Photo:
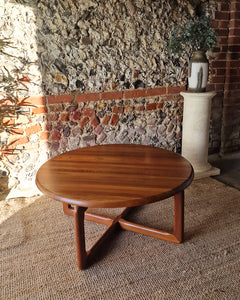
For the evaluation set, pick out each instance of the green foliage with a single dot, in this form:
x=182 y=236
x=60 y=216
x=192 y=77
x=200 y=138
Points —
x=10 y=106
x=195 y=35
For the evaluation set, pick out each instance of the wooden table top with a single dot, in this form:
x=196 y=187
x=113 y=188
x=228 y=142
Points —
x=114 y=176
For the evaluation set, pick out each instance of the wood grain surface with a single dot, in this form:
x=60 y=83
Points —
x=114 y=175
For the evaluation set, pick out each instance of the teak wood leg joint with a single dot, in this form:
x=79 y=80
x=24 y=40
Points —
x=80 y=213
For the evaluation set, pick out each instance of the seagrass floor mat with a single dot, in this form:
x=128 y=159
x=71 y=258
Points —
x=38 y=258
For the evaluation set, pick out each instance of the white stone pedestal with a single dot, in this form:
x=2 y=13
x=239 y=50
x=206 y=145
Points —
x=195 y=133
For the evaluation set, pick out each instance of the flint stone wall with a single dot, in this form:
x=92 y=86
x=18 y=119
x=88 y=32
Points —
x=86 y=46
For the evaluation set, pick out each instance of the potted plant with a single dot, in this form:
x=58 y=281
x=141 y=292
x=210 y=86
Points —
x=194 y=38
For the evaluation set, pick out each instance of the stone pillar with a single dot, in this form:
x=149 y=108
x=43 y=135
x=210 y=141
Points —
x=195 y=133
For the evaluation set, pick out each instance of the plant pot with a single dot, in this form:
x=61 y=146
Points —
x=198 y=72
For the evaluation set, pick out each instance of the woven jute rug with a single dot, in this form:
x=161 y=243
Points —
x=38 y=258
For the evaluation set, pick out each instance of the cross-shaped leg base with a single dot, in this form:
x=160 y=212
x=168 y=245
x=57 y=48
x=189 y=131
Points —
x=80 y=213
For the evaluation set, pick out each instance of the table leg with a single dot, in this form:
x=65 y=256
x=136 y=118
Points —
x=78 y=213
x=178 y=231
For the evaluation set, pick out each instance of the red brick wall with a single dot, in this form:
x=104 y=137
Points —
x=226 y=75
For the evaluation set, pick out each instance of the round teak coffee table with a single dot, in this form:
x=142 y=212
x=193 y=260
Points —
x=110 y=176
